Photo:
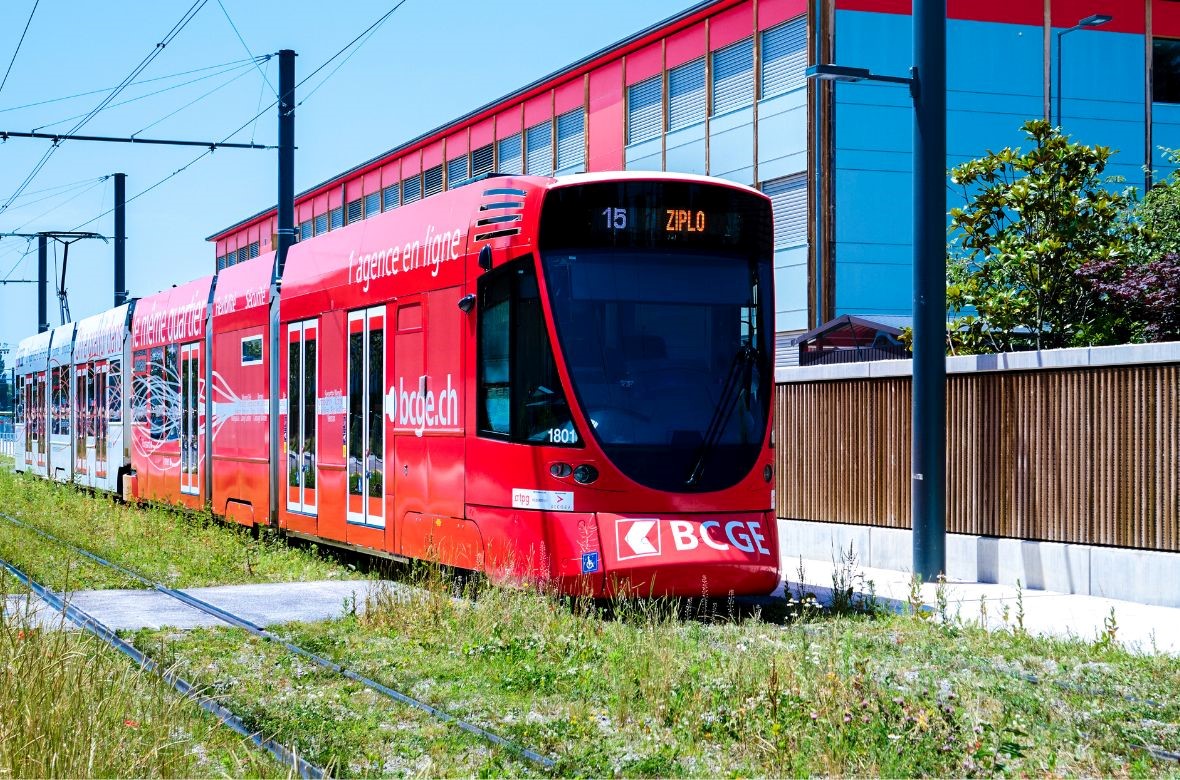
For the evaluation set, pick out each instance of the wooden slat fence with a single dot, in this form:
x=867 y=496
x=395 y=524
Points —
x=1088 y=455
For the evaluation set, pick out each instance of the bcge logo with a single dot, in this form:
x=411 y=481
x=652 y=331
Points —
x=637 y=538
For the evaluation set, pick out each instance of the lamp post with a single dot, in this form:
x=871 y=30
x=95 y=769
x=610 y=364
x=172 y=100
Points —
x=927 y=83
x=1090 y=22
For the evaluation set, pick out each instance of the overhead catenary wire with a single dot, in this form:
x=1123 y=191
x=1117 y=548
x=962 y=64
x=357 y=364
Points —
x=135 y=83
x=105 y=102
x=252 y=119
x=18 y=44
x=242 y=41
x=240 y=66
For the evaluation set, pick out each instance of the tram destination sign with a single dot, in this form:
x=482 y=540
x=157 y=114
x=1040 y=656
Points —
x=655 y=215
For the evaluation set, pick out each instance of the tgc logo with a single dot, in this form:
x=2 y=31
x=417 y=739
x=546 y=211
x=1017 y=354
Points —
x=420 y=409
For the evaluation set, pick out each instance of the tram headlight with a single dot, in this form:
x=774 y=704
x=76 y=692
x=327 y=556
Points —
x=585 y=474
x=560 y=470
x=768 y=472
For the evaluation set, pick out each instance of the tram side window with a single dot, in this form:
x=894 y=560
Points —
x=20 y=400
x=115 y=391
x=61 y=401
x=520 y=392
x=139 y=387
x=156 y=393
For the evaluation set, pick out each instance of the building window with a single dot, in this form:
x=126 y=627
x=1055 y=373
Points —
x=390 y=197
x=571 y=140
x=788 y=201
x=432 y=181
x=538 y=148
x=733 y=77
x=482 y=160
x=252 y=250
x=784 y=57
x=231 y=258
x=511 y=161
x=306 y=230
x=221 y=263
x=411 y=189
x=686 y=94
x=456 y=171
x=372 y=204
x=336 y=218
x=1165 y=70
x=321 y=224
x=643 y=110
x=354 y=211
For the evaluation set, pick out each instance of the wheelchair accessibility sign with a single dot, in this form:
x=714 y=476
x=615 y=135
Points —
x=589 y=562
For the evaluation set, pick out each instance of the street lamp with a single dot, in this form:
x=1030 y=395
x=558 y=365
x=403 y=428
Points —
x=1090 y=22
x=927 y=83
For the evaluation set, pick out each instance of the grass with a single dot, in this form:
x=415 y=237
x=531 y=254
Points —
x=179 y=548
x=639 y=691
x=75 y=708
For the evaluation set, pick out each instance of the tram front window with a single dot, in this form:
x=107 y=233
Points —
x=667 y=340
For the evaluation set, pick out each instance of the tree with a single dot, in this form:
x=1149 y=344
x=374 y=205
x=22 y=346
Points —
x=1030 y=221
x=1157 y=218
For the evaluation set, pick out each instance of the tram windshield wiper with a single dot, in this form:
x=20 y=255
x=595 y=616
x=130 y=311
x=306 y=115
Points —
x=738 y=383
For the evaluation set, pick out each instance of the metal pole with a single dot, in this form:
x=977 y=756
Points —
x=928 y=456
x=283 y=240
x=818 y=136
x=42 y=285
x=1057 y=90
x=120 y=239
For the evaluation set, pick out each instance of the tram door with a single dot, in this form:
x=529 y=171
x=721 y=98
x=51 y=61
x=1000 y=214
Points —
x=98 y=414
x=366 y=412
x=83 y=400
x=301 y=416
x=40 y=421
x=190 y=428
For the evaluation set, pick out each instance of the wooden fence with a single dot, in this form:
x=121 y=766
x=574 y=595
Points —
x=1038 y=446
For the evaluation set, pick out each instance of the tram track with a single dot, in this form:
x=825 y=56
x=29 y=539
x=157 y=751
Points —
x=262 y=633
x=286 y=756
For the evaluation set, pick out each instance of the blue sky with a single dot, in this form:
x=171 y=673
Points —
x=432 y=61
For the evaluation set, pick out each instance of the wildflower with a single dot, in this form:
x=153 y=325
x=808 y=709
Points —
x=20 y=634
x=847 y=717
x=814 y=715
x=131 y=724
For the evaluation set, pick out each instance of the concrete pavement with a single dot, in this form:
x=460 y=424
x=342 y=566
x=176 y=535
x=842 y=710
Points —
x=1138 y=627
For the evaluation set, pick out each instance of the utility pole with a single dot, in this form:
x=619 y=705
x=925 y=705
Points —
x=120 y=239
x=283 y=240
x=928 y=453
x=42 y=284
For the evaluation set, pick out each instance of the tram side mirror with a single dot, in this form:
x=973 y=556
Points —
x=485 y=258
x=467 y=302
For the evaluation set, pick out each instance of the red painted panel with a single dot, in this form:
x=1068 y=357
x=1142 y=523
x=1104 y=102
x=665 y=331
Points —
x=481 y=133
x=644 y=63
x=1128 y=17
x=731 y=26
x=372 y=181
x=508 y=122
x=252 y=233
x=391 y=173
x=569 y=96
x=411 y=165
x=772 y=12
x=538 y=109
x=335 y=197
x=303 y=211
x=686 y=45
x=457 y=144
x=1165 y=18
x=353 y=189
x=605 y=131
x=220 y=247
x=432 y=155
x=320 y=204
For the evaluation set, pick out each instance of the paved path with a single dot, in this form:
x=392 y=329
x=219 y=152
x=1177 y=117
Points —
x=1140 y=627
x=264 y=605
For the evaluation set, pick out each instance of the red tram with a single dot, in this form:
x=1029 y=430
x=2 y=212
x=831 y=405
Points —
x=566 y=379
